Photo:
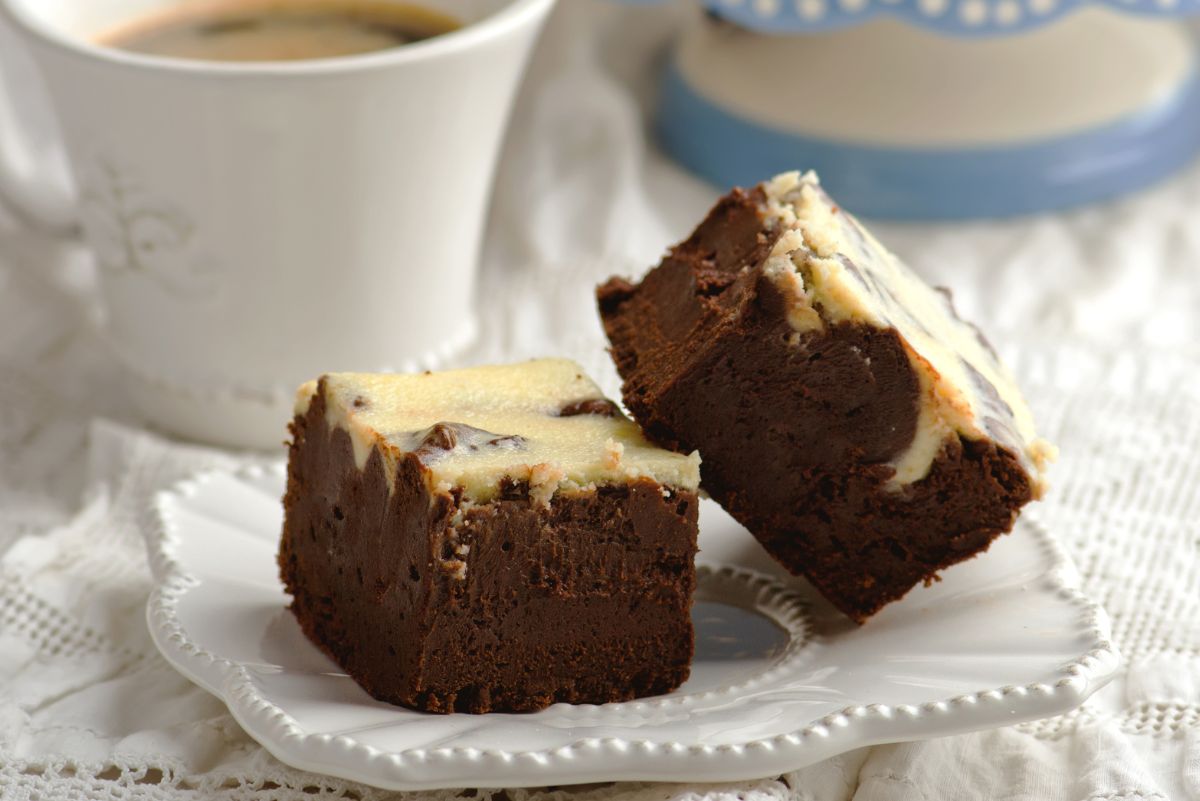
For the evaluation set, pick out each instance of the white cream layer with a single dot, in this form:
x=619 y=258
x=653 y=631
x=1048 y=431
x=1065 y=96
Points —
x=833 y=270
x=392 y=413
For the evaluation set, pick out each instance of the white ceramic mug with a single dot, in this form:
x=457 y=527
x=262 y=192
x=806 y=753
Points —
x=255 y=224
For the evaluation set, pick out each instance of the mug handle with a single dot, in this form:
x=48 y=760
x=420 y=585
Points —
x=34 y=182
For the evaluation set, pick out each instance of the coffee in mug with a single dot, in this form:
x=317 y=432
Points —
x=278 y=30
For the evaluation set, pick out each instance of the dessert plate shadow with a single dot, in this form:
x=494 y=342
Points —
x=780 y=679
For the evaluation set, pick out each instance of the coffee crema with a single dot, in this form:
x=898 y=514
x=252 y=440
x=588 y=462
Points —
x=278 y=30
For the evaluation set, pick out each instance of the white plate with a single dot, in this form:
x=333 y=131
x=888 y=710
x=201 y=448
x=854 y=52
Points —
x=780 y=679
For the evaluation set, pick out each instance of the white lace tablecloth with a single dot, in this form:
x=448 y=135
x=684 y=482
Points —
x=1098 y=310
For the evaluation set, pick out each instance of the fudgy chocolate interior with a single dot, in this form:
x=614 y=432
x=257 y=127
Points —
x=586 y=602
x=796 y=431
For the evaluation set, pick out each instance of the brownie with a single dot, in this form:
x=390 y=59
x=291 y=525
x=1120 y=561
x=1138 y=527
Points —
x=847 y=416
x=491 y=539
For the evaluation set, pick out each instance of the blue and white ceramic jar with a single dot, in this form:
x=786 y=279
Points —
x=937 y=109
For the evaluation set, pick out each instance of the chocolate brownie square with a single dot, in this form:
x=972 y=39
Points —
x=491 y=539
x=865 y=433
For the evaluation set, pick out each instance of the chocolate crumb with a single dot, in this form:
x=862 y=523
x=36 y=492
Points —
x=440 y=437
x=599 y=406
x=507 y=441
